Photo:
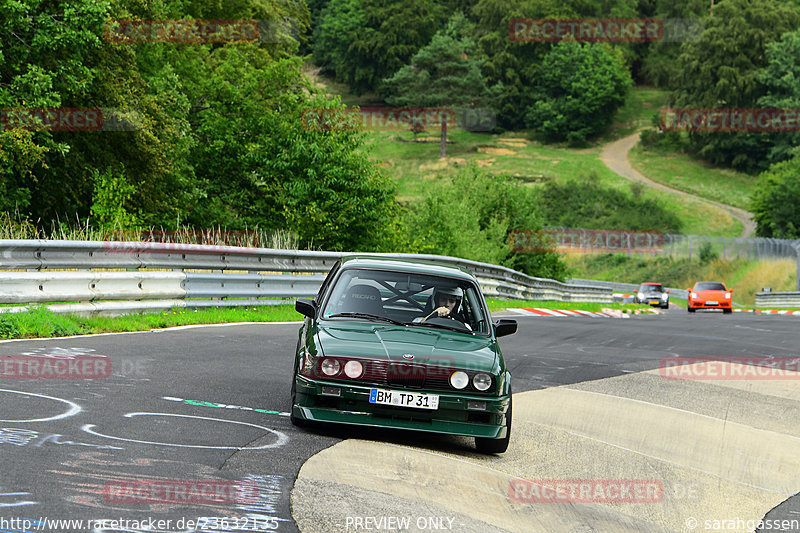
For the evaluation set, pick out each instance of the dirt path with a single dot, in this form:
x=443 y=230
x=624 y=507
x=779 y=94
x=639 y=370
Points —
x=615 y=157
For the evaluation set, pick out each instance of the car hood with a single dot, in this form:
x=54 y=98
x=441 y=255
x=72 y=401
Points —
x=391 y=343
x=711 y=294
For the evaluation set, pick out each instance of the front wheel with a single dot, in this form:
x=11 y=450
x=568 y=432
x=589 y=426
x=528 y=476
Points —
x=297 y=422
x=727 y=311
x=691 y=309
x=484 y=445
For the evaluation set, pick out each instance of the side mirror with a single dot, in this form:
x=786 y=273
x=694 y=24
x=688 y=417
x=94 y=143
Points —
x=306 y=307
x=667 y=291
x=504 y=326
x=730 y=290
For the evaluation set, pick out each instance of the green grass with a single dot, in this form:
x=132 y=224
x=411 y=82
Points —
x=415 y=166
x=43 y=323
x=40 y=322
x=681 y=172
x=637 y=111
x=498 y=305
x=745 y=277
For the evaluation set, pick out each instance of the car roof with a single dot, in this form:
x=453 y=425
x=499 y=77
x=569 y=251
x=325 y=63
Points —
x=418 y=266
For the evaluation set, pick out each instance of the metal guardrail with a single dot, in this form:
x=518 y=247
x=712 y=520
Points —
x=778 y=299
x=629 y=288
x=159 y=276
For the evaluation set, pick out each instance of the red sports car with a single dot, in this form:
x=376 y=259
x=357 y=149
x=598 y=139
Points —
x=710 y=295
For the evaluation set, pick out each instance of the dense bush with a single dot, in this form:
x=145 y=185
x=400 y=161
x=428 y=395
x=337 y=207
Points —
x=582 y=203
x=471 y=215
x=578 y=89
x=776 y=201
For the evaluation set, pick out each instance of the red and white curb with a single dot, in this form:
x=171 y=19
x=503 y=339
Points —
x=605 y=313
x=766 y=312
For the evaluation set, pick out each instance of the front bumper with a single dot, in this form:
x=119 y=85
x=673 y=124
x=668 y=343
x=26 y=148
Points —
x=353 y=407
x=702 y=304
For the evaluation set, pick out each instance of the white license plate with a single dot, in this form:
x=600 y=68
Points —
x=404 y=399
x=712 y=302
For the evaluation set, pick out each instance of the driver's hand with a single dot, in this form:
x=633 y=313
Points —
x=442 y=311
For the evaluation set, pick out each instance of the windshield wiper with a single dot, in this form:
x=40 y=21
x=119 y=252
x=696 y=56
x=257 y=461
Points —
x=463 y=329
x=368 y=316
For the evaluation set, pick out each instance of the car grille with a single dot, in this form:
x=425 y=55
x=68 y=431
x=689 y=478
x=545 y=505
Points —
x=411 y=376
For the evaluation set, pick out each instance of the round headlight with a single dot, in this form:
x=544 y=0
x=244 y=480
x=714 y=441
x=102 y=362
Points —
x=664 y=295
x=331 y=367
x=459 y=379
x=694 y=295
x=482 y=381
x=727 y=296
x=353 y=369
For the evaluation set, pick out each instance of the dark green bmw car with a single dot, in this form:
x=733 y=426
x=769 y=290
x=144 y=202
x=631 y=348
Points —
x=403 y=344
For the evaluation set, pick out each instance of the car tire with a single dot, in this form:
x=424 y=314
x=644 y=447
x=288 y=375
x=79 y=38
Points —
x=727 y=311
x=496 y=445
x=297 y=422
x=691 y=309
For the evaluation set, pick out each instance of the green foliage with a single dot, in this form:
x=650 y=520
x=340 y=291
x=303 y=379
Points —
x=781 y=77
x=362 y=41
x=707 y=254
x=111 y=192
x=775 y=203
x=722 y=69
x=582 y=203
x=577 y=92
x=443 y=73
x=19 y=156
x=261 y=164
x=471 y=215
x=659 y=65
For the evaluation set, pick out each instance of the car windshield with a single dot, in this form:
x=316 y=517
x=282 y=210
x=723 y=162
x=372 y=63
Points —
x=709 y=286
x=650 y=288
x=408 y=299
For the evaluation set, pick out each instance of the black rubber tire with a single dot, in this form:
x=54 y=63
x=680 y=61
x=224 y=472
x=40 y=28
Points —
x=691 y=310
x=496 y=445
x=297 y=422
x=727 y=311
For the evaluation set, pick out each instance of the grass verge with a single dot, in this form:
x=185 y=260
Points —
x=745 y=277
x=681 y=172
x=596 y=307
x=41 y=322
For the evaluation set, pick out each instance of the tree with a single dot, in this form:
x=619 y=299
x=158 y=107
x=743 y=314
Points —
x=578 y=89
x=472 y=214
x=442 y=74
x=721 y=70
x=775 y=203
x=362 y=40
x=781 y=78
x=260 y=163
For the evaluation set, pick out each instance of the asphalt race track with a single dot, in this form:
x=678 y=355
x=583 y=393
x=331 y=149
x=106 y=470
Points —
x=190 y=408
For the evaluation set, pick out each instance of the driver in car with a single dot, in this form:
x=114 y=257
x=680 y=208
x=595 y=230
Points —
x=448 y=304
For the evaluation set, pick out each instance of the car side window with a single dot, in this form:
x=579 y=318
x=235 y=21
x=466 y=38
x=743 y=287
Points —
x=328 y=279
